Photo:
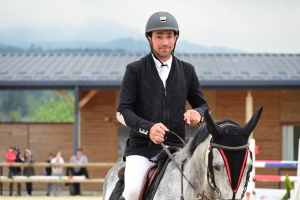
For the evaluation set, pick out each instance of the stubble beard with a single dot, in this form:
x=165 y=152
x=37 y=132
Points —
x=164 y=52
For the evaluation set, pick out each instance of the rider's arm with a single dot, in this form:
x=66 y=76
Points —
x=127 y=100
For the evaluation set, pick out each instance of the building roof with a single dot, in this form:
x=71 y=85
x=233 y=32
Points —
x=106 y=70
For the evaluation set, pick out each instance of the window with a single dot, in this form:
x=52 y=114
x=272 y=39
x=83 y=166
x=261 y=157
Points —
x=290 y=142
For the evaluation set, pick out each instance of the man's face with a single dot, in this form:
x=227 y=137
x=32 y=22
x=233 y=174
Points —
x=163 y=42
x=78 y=153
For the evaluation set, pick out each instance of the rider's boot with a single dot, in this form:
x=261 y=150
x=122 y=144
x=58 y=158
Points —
x=122 y=198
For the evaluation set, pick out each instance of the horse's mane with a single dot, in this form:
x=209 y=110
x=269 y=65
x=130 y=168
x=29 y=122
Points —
x=199 y=137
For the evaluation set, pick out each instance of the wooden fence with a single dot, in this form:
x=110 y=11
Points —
x=52 y=179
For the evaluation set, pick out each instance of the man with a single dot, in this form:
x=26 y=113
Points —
x=152 y=101
x=16 y=171
x=77 y=171
x=28 y=171
x=48 y=172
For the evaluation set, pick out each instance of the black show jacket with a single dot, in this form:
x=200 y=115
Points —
x=144 y=101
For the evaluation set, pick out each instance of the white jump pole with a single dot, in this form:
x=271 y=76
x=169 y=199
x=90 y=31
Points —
x=295 y=194
x=251 y=185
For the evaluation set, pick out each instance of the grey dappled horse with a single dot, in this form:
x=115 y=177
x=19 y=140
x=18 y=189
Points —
x=217 y=163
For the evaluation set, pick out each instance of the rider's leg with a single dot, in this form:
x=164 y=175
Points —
x=136 y=168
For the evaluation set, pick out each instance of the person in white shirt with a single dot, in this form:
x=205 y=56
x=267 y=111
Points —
x=57 y=171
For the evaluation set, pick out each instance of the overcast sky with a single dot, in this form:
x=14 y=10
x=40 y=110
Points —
x=250 y=25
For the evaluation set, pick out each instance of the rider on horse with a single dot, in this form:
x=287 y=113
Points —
x=153 y=99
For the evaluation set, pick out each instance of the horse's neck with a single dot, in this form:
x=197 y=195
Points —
x=195 y=166
x=199 y=157
x=184 y=154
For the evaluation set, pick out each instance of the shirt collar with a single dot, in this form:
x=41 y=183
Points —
x=158 y=64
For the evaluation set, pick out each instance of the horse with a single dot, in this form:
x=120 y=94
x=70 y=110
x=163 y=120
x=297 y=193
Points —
x=215 y=164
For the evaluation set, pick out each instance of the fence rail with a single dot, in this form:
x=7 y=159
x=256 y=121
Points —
x=52 y=179
x=44 y=180
x=44 y=164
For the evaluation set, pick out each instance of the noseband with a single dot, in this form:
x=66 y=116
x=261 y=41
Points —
x=210 y=171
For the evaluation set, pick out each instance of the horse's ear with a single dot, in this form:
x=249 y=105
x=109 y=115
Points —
x=211 y=126
x=249 y=127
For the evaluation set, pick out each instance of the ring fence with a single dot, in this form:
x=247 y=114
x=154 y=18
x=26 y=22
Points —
x=295 y=194
x=51 y=179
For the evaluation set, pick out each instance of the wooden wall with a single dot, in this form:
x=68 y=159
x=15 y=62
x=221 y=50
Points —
x=99 y=138
x=41 y=139
x=280 y=108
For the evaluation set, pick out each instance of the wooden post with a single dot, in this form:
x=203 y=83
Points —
x=249 y=108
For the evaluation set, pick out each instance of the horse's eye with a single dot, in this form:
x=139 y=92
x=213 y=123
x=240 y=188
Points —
x=216 y=167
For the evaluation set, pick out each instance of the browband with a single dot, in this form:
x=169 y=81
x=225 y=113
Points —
x=229 y=148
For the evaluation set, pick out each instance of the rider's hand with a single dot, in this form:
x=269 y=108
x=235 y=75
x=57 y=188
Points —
x=157 y=133
x=192 y=117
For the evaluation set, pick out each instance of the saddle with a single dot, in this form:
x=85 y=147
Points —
x=151 y=174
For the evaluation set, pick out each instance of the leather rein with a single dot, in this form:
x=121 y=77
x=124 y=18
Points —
x=200 y=195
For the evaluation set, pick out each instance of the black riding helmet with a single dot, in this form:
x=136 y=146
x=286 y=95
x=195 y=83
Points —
x=161 y=21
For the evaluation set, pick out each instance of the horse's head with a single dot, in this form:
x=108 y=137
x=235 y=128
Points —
x=229 y=159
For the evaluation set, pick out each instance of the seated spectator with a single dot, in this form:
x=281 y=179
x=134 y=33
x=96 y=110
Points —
x=28 y=171
x=48 y=172
x=57 y=171
x=77 y=171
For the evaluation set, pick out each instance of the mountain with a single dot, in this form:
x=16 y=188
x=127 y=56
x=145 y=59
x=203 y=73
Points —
x=117 y=45
x=94 y=36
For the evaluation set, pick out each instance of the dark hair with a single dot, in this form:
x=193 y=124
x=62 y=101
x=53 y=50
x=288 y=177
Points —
x=150 y=33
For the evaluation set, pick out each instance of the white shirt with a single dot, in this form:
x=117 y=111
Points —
x=165 y=70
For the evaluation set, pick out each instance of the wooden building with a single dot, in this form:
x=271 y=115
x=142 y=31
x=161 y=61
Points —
x=234 y=85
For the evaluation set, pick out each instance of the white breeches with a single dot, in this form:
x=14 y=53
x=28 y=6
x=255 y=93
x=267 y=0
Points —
x=136 y=168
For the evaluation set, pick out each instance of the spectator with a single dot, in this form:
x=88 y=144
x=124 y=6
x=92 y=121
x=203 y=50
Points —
x=16 y=171
x=48 y=172
x=77 y=171
x=10 y=158
x=28 y=171
x=57 y=171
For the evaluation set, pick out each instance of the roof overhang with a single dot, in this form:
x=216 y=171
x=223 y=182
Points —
x=115 y=85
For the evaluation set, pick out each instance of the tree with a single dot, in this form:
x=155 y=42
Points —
x=55 y=111
x=12 y=105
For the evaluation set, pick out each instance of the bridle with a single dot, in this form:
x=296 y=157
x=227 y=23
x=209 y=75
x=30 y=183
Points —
x=210 y=170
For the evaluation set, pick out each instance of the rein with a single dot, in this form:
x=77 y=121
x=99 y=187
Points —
x=200 y=195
